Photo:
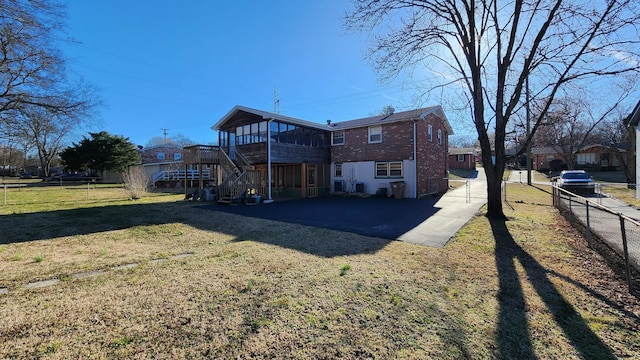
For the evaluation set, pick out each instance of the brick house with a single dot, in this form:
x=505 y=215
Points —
x=411 y=146
x=160 y=161
x=280 y=156
x=463 y=158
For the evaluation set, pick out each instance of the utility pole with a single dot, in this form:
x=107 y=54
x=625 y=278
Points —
x=528 y=110
x=165 y=132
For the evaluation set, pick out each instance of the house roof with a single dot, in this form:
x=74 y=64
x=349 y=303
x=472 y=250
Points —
x=395 y=117
x=460 y=151
x=240 y=111
x=634 y=117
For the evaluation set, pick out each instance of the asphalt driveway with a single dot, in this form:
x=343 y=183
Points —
x=379 y=217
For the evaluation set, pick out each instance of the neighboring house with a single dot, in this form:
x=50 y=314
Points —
x=591 y=158
x=632 y=121
x=462 y=158
x=597 y=158
x=545 y=158
x=299 y=158
x=160 y=161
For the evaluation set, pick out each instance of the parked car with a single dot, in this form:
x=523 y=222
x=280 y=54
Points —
x=70 y=177
x=577 y=181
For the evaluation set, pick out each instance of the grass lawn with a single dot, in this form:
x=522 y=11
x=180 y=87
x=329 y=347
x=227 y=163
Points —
x=195 y=284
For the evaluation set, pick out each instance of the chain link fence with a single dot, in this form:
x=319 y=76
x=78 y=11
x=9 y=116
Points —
x=614 y=235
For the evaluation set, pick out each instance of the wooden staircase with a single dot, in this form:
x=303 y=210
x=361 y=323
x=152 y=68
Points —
x=240 y=180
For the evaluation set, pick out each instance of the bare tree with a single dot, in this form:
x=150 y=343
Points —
x=47 y=132
x=36 y=98
x=488 y=50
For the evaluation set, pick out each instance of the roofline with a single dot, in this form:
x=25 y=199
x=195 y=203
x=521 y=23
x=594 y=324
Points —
x=634 y=117
x=437 y=109
x=266 y=116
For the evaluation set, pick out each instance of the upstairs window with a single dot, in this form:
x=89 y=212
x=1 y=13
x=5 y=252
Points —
x=177 y=156
x=375 y=134
x=160 y=155
x=430 y=133
x=337 y=138
x=439 y=137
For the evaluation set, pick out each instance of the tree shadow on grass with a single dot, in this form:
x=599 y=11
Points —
x=17 y=228
x=513 y=334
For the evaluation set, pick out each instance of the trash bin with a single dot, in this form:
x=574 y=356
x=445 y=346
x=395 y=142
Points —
x=397 y=189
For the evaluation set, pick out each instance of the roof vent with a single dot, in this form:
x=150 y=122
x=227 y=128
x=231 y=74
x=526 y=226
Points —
x=329 y=122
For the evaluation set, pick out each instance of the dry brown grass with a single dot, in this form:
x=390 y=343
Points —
x=263 y=289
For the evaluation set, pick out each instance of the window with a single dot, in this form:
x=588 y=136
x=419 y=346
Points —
x=239 y=138
x=460 y=158
x=177 y=156
x=375 y=134
x=262 y=129
x=254 y=133
x=439 y=137
x=337 y=171
x=337 y=138
x=274 y=131
x=160 y=155
x=586 y=158
x=389 y=169
x=430 y=133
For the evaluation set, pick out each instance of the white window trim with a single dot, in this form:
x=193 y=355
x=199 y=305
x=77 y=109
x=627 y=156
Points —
x=460 y=158
x=430 y=133
x=388 y=170
x=335 y=170
x=374 y=133
x=333 y=138
x=439 y=136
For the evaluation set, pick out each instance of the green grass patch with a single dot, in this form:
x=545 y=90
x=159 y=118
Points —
x=524 y=288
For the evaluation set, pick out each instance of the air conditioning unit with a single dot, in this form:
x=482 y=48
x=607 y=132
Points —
x=338 y=186
x=359 y=187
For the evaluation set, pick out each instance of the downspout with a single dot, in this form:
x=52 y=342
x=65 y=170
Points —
x=269 y=199
x=415 y=162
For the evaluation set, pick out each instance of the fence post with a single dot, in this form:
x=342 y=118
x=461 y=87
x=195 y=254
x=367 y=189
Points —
x=588 y=224
x=4 y=202
x=570 y=203
x=626 y=252
x=87 y=191
x=468 y=192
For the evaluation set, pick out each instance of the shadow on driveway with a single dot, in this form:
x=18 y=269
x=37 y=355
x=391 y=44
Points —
x=384 y=218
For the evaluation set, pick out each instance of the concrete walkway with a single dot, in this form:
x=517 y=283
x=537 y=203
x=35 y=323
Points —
x=454 y=209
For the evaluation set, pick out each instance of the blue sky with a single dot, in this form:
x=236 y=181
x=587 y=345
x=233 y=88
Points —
x=183 y=65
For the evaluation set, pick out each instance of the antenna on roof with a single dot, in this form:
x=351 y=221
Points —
x=165 y=132
x=276 y=101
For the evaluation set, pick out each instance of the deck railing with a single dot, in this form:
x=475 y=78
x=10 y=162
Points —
x=169 y=175
x=207 y=154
